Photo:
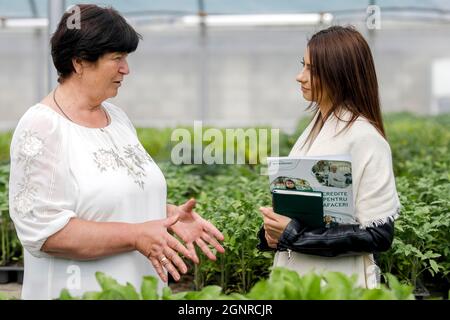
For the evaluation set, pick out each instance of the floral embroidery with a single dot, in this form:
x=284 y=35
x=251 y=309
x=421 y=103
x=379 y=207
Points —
x=23 y=201
x=30 y=146
x=133 y=160
x=106 y=159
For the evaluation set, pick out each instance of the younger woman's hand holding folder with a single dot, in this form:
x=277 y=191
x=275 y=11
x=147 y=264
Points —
x=274 y=225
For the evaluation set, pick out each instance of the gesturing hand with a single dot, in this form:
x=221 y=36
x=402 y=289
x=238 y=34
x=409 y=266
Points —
x=161 y=248
x=192 y=228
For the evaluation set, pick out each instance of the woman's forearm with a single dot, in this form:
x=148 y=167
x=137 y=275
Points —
x=88 y=240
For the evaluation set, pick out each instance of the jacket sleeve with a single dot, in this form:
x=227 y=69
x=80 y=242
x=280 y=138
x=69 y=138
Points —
x=338 y=240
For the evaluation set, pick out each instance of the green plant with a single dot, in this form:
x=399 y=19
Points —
x=230 y=195
x=283 y=284
x=421 y=157
x=5 y=141
x=422 y=239
x=11 y=248
x=156 y=142
x=231 y=202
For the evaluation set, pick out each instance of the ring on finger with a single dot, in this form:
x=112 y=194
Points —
x=164 y=260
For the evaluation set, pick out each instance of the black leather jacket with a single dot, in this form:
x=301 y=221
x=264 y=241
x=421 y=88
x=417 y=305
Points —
x=338 y=240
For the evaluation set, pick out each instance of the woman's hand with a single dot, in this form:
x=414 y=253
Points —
x=192 y=228
x=274 y=225
x=161 y=248
x=271 y=242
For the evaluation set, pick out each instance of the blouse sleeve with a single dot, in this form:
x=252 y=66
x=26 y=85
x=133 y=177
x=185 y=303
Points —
x=42 y=195
x=376 y=199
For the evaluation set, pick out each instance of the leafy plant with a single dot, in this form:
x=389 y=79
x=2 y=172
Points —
x=230 y=202
x=5 y=141
x=230 y=195
x=11 y=248
x=283 y=284
x=421 y=157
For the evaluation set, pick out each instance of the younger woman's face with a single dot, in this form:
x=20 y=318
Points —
x=304 y=77
x=306 y=86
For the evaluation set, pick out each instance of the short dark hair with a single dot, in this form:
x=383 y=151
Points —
x=102 y=30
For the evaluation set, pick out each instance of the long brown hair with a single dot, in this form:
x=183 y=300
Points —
x=342 y=66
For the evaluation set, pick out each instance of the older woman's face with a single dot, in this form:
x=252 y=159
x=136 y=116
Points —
x=106 y=75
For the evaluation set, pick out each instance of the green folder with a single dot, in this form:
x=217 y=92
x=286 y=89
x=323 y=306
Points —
x=304 y=206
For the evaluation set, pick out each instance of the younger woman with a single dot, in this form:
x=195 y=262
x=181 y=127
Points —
x=339 y=79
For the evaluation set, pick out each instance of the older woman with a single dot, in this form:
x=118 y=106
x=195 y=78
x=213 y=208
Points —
x=84 y=194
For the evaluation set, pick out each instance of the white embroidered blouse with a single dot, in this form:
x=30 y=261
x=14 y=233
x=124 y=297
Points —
x=61 y=170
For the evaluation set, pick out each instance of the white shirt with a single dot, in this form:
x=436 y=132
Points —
x=61 y=170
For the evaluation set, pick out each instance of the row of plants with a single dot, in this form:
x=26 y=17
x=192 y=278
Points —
x=420 y=253
x=230 y=195
x=283 y=284
x=11 y=251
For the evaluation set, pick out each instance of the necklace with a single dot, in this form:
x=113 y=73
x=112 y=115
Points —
x=59 y=107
